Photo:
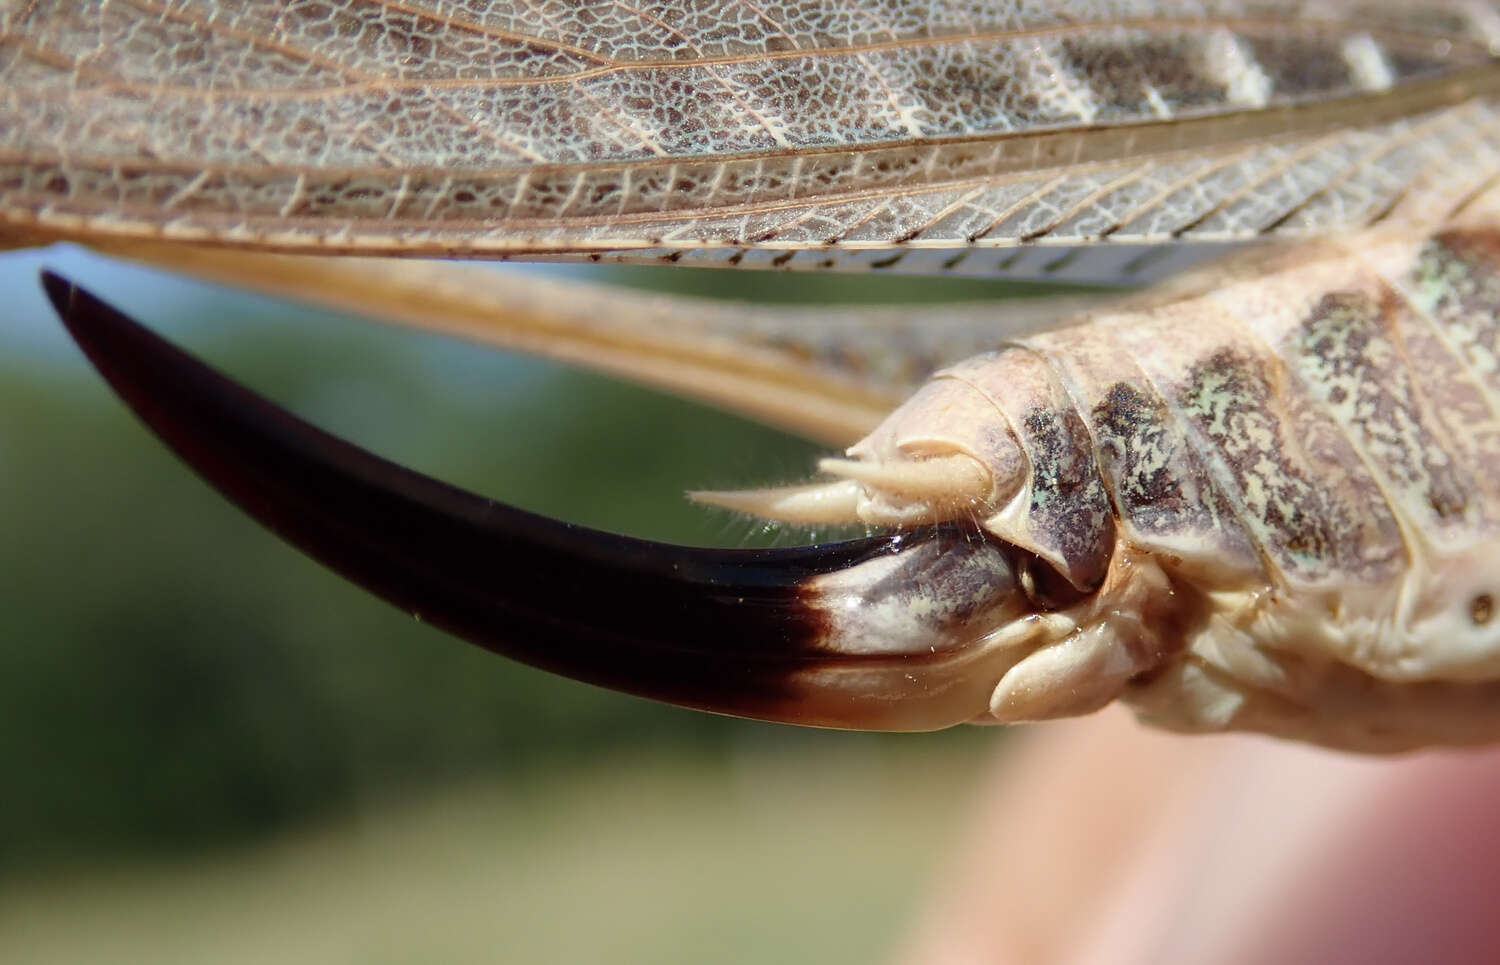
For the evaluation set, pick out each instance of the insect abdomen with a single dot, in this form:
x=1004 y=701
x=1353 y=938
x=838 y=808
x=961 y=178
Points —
x=1323 y=419
x=1271 y=505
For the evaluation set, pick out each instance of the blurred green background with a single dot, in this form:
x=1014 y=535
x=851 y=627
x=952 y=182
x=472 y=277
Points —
x=214 y=750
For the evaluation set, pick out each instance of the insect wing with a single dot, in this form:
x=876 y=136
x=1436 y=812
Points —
x=812 y=134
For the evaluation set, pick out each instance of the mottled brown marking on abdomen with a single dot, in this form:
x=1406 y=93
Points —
x=1456 y=283
x=1349 y=355
x=1166 y=498
x=1297 y=484
x=1069 y=521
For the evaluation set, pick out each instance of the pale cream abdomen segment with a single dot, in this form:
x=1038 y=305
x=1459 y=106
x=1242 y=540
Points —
x=1061 y=511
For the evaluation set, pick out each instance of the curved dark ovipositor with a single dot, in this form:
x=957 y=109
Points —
x=778 y=634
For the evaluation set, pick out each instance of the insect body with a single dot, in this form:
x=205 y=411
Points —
x=1261 y=499
x=1272 y=506
x=1267 y=507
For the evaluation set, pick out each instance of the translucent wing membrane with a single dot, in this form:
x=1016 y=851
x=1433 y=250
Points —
x=795 y=133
